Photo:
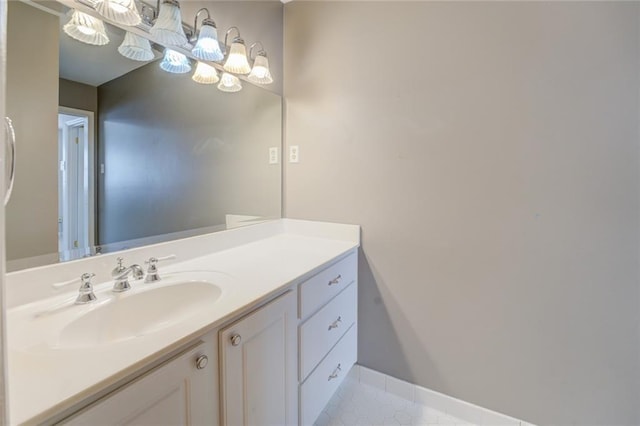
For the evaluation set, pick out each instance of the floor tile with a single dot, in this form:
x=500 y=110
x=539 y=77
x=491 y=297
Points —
x=359 y=404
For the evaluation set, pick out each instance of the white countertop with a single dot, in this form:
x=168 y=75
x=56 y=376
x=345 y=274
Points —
x=44 y=379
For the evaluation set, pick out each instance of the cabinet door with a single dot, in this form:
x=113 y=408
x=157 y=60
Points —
x=182 y=391
x=259 y=366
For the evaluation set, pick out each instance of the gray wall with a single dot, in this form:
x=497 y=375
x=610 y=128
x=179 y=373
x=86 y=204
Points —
x=77 y=95
x=179 y=155
x=490 y=152
x=32 y=104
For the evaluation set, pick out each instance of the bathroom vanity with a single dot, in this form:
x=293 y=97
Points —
x=255 y=325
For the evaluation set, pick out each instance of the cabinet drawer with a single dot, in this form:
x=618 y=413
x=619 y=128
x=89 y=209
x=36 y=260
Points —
x=319 y=289
x=318 y=389
x=321 y=332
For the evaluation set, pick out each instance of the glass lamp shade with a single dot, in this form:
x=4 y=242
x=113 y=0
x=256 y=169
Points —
x=205 y=74
x=207 y=47
x=175 y=62
x=260 y=72
x=136 y=47
x=237 y=62
x=168 y=27
x=86 y=29
x=229 y=83
x=121 y=11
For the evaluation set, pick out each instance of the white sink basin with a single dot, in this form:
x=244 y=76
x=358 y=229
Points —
x=135 y=314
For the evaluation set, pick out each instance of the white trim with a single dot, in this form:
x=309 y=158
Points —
x=90 y=135
x=447 y=404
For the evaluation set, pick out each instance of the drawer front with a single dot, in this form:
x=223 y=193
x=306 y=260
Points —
x=318 y=389
x=321 y=288
x=323 y=330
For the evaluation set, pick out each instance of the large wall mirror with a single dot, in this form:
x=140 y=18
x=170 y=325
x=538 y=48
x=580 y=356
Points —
x=114 y=153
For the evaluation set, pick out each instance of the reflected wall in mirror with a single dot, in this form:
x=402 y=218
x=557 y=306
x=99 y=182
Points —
x=115 y=153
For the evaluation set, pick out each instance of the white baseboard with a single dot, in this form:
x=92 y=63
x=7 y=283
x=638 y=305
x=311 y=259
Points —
x=452 y=406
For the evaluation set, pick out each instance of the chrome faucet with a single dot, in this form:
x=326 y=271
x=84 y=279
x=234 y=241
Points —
x=120 y=274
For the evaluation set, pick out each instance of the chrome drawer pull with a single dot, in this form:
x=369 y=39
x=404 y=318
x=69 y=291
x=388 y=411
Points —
x=334 y=375
x=335 y=280
x=335 y=323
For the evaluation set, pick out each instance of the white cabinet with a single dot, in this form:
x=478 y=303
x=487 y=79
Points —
x=259 y=366
x=322 y=331
x=328 y=334
x=320 y=386
x=278 y=365
x=182 y=391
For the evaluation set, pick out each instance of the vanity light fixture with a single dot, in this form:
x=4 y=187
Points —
x=207 y=47
x=136 y=47
x=122 y=12
x=237 y=62
x=229 y=83
x=205 y=74
x=168 y=27
x=175 y=62
x=86 y=28
x=260 y=73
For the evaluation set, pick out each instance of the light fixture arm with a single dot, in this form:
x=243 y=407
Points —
x=260 y=52
x=228 y=32
x=154 y=11
x=195 y=22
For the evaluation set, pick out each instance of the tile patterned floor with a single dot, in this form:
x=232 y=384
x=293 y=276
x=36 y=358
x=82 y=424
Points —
x=358 y=404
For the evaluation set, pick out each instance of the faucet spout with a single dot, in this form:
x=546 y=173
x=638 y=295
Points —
x=135 y=270
x=120 y=275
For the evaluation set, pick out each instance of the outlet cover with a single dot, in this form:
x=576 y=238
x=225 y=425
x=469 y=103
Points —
x=273 y=155
x=294 y=154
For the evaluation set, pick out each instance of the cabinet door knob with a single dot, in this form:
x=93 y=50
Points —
x=202 y=362
x=236 y=339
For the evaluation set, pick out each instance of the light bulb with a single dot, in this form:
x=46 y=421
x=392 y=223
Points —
x=237 y=62
x=205 y=74
x=260 y=73
x=207 y=47
x=168 y=27
x=86 y=28
x=121 y=11
x=175 y=62
x=229 y=83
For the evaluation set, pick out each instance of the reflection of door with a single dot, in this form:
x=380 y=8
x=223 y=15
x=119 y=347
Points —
x=75 y=204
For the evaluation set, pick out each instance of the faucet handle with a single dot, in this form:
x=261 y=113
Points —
x=119 y=267
x=153 y=260
x=85 y=293
x=152 y=271
x=85 y=280
x=86 y=277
